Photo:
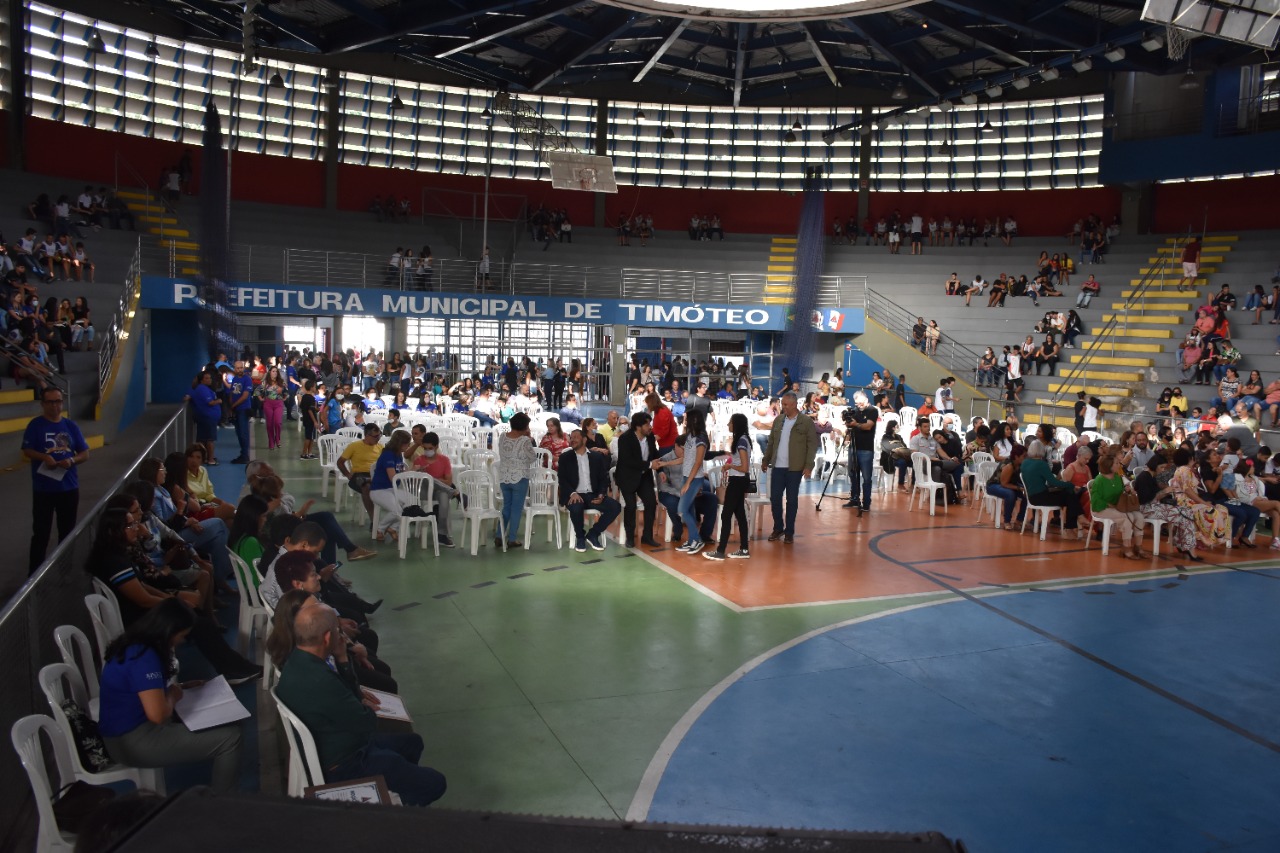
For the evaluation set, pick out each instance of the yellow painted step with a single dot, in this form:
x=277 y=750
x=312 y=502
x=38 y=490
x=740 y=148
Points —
x=1093 y=390
x=781 y=268
x=1167 y=281
x=1165 y=294
x=151 y=217
x=1110 y=376
x=10 y=425
x=1149 y=334
x=22 y=395
x=1150 y=270
x=1115 y=360
x=182 y=244
x=186 y=258
x=1215 y=238
x=189 y=271
x=139 y=194
x=1156 y=305
x=778 y=278
x=168 y=232
x=1204 y=259
x=784 y=240
x=1108 y=346
x=786 y=250
x=777 y=300
x=1157 y=319
x=782 y=259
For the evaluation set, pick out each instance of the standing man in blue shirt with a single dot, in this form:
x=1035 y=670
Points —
x=207 y=410
x=55 y=447
x=294 y=386
x=240 y=390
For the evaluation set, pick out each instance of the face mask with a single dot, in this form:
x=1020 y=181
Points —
x=428 y=453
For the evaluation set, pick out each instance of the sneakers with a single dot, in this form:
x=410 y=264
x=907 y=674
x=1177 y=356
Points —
x=685 y=547
x=775 y=536
x=740 y=554
x=695 y=546
x=251 y=674
x=445 y=542
x=593 y=539
x=713 y=555
x=580 y=546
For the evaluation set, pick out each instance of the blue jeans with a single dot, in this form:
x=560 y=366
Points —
x=704 y=506
x=685 y=507
x=1010 y=497
x=395 y=758
x=242 y=430
x=334 y=536
x=1243 y=519
x=211 y=540
x=783 y=482
x=513 y=495
x=860 y=464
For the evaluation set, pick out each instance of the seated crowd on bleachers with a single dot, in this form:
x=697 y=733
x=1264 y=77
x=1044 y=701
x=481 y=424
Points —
x=1207 y=356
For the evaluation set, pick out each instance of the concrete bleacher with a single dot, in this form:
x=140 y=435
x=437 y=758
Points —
x=110 y=251
x=669 y=250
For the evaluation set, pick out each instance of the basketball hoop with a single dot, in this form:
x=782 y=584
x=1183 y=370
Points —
x=1175 y=40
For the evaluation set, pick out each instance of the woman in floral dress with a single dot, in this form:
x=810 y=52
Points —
x=1212 y=523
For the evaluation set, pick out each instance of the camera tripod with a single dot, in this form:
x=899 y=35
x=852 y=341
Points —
x=842 y=451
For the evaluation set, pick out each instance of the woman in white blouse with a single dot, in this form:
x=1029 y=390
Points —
x=516 y=459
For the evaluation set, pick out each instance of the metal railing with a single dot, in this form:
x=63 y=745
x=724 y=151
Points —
x=958 y=359
x=53 y=596
x=118 y=330
x=319 y=268
x=155 y=211
x=1257 y=114
x=466 y=210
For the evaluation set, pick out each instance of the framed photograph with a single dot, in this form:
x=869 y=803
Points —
x=372 y=789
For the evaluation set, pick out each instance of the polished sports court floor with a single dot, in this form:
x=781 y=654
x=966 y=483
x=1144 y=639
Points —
x=895 y=672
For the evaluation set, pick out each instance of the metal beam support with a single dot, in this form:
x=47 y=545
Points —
x=740 y=61
x=570 y=61
x=1055 y=31
x=345 y=36
x=662 y=48
x=949 y=24
x=560 y=6
x=820 y=56
x=875 y=43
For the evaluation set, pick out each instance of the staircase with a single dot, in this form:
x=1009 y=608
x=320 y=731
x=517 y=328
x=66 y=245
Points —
x=780 y=274
x=1146 y=333
x=154 y=218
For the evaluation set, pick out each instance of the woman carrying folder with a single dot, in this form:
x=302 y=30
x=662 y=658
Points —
x=139 y=691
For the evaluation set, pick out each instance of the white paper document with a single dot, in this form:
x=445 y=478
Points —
x=391 y=706
x=53 y=472
x=211 y=704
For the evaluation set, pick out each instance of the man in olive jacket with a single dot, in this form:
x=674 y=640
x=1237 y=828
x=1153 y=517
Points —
x=793 y=443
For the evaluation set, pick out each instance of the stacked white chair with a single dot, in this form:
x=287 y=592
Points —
x=25 y=735
x=329 y=448
x=544 y=500
x=542 y=458
x=351 y=432
x=253 y=615
x=987 y=502
x=76 y=653
x=907 y=415
x=416 y=487
x=478 y=506
x=973 y=474
x=104 y=613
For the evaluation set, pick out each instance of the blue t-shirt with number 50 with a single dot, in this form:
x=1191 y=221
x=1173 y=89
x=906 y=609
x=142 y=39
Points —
x=61 y=440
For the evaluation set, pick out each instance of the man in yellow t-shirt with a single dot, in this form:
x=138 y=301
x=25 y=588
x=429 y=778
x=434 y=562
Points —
x=357 y=461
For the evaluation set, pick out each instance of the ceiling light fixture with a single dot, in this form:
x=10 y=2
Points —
x=899 y=92
x=396 y=103
x=864 y=130
x=796 y=125
x=969 y=98
x=1048 y=73
x=945 y=105
x=1082 y=64
x=994 y=91
x=96 y=44
x=1152 y=43
x=276 y=81
x=1189 y=81
x=153 y=50
x=987 y=127
x=668 y=133
x=1114 y=54
x=789 y=136
x=1021 y=83
x=486 y=114
x=640 y=116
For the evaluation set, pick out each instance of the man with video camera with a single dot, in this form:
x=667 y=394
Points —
x=860 y=426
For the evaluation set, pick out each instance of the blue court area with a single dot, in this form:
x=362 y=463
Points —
x=1139 y=716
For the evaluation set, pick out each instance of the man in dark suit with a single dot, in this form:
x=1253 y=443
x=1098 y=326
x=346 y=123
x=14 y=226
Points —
x=584 y=485
x=636 y=447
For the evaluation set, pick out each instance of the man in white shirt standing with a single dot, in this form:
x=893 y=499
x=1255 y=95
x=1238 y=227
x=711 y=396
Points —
x=943 y=400
x=917 y=234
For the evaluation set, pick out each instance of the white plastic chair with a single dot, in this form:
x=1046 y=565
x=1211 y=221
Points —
x=356 y=432
x=102 y=588
x=542 y=458
x=328 y=449
x=1157 y=525
x=416 y=487
x=1107 y=524
x=61 y=684
x=759 y=502
x=107 y=624
x=830 y=457
x=304 y=759
x=76 y=653
x=544 y=500
x=25 y=735
x=479 y=506
x=935 y=421
x=925 y=484
x=993 y=504
x=907 y=415
x=978 y=484
x=1041 y=513
x=952 y=421
x=253 y=615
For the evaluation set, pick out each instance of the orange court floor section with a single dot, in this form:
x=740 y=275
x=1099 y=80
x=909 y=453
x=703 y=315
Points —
x=896 y=551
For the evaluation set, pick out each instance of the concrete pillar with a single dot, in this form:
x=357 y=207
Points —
x=864 y=169
x=602 y=149
x=618 y=365
x=1136 y=207
x=13 y=58
x=333 y=117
